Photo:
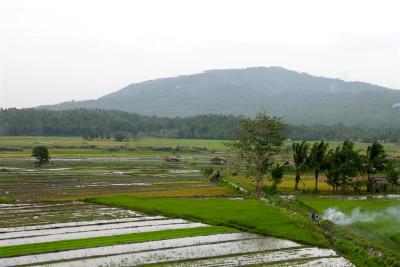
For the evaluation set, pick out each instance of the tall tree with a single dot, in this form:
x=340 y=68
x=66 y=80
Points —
x=317 y=159
x=344 y=162
x=392 y=171
x=374 y=161
x=277 y=173
x=258 y=141
x=300 y=157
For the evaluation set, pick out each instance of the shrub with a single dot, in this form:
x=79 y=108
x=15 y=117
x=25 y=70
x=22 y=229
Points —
x=41 y=153
x=120 y=136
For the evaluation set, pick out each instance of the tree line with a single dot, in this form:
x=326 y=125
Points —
x=106 y=123
x=260 y=139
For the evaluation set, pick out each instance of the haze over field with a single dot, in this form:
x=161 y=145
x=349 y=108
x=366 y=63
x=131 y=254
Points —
x=65 y=50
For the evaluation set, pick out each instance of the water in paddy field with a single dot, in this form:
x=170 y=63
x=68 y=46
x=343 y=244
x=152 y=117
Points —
x=78 y=178
x=16 y=215
x=229 y=249
x=34 y=223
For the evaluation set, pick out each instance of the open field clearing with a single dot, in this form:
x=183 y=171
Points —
x=138 y=239
x=17 y=147
x=21 y=146
x=287 y=184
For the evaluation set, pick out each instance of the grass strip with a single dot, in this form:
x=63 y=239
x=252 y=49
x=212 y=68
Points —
x=247 y=214
x=38 y=248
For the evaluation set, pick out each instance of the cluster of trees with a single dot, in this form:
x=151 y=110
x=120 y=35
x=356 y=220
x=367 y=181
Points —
x=343 y=163
x=259 y=140
x=107 y=123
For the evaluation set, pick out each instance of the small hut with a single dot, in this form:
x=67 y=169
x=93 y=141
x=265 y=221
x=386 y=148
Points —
x=218 y=161
x=379 y=184
x=173 y=158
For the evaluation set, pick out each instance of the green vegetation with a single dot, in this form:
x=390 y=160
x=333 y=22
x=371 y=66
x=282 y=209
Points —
x=374 y=161
x=318 y=159
x=300 y=160
x=298 y=97
x=374 y=229
x=41 y=153
x=7 y=200
x=258 y=141
x=247 y=214
x=80 y=147
x=120 y=136
x=37 y=248
x=178 y=189
x=344 y=162
x=392 y=171
x=103 y=124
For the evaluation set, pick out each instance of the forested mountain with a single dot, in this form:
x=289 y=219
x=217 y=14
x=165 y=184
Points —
x=299 y=97
x=105 y=123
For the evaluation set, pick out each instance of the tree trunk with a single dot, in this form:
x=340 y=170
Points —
x=343 y=185
x=297 y=180
x=316 y=180
x=369 y=183
x=259 y=183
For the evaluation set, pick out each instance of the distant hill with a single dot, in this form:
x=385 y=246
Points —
x=299 y=97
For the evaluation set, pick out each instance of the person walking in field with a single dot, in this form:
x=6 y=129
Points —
x=314 y=217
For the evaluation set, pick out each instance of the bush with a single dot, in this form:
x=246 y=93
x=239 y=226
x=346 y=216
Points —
x=207 y=171
x=120 y=136
x=7 y=200
x=41 y=153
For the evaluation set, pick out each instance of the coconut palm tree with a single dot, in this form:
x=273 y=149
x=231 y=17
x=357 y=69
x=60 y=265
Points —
x=318 y=158
x=374 y=161
x=300 y=158
x=344 y=162
x=392 y=171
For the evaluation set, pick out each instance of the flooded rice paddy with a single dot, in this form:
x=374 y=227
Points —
x=31 y=221
x=76 y=178
x=22 y=215
x=226 y=249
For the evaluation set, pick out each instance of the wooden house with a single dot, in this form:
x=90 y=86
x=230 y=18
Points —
x=379 y=184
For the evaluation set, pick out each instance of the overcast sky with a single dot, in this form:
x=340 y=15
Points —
x=54 y=50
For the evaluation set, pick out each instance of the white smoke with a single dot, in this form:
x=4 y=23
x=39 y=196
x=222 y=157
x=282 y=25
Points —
x=338 y=217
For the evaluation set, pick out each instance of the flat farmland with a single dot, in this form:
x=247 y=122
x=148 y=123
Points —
x=101 y=202
x=80 y=178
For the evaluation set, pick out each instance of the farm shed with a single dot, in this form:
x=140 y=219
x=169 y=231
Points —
x=379 y=184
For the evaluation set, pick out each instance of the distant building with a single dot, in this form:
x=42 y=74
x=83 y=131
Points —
x=218 y=161
x=379 y=184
